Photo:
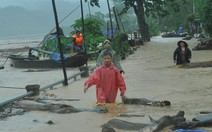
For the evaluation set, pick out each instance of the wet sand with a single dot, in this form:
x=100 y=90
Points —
x=150 y=73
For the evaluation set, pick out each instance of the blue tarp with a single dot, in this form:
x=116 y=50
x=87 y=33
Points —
x=56 y=57
x=110 y=32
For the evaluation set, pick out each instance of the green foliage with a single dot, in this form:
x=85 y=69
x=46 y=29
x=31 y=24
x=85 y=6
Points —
x=207 y=17
x=176 y=16
x=201 y=13
x=129 y=21
x=119 y=45
x=52 y=45
x=153 y=26
x=191 y=17
x=172 y=13
x=100 y=17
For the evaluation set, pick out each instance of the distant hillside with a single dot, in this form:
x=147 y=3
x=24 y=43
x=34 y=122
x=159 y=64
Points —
x=16 y=20
x=19 y=21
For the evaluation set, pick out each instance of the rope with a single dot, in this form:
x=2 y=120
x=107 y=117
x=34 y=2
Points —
x=60 y=22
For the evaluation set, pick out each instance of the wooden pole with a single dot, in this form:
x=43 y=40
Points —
x=117 y=23
x=107 y=29
x=59 y=43
x=83 y=28
x=89 y=10
x=111 y=24
x=120 y=21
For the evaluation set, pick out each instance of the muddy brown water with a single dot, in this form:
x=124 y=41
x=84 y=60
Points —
x=150 y=73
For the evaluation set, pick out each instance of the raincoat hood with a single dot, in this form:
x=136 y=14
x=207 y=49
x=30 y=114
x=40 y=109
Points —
x=178 y=43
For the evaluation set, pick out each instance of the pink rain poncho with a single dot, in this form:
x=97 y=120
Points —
x=107 y=80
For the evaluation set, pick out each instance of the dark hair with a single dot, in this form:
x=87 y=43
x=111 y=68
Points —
x=107 y=53
x=77 y=31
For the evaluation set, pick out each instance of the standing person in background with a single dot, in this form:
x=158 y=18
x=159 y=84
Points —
x=77 y=40
x=180 y=30
x=107 y=48
x=182 y=53
x=108 y=80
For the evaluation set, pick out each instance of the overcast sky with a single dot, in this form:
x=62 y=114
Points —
x=64 y=7
x=34 y=4
x=28 y=2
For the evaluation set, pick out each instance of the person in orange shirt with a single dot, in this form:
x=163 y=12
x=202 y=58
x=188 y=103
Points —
x=77 y=40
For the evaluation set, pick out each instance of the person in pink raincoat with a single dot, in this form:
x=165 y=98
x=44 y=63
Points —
x=108 y=80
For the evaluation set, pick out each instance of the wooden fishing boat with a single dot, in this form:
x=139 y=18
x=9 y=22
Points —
x=32 y=61
x=169 y=35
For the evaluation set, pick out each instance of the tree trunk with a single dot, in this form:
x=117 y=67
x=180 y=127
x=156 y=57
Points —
x=143 y=27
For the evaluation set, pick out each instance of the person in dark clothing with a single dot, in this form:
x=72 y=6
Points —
x=182 y=53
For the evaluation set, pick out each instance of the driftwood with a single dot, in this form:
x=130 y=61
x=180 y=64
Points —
x=205 y=112
x=56 y=108
x=154 y=126
x=165 y=121
x=187 y=37
x=143 y=101
x=130 y=115
x=205 y=44
x=124 y=125
x=197 y=64
x=108 y=129
x=168 y=35
x=51 y=99
x=201 y=121
x=4 y=113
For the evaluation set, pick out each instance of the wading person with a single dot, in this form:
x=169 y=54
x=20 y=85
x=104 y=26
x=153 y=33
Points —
x=108 y=80
x=182 y=53
x=107 y=48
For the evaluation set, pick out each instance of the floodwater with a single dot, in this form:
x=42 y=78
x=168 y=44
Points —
x=149 y=73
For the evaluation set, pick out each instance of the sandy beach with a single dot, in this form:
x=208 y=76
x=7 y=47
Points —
x=149 y=73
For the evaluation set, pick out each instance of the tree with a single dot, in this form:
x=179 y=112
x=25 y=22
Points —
x=195 y=12
x=101 y=18
x=145 y=7
x=182 y=16
x=207 y=17
x=127 y=20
